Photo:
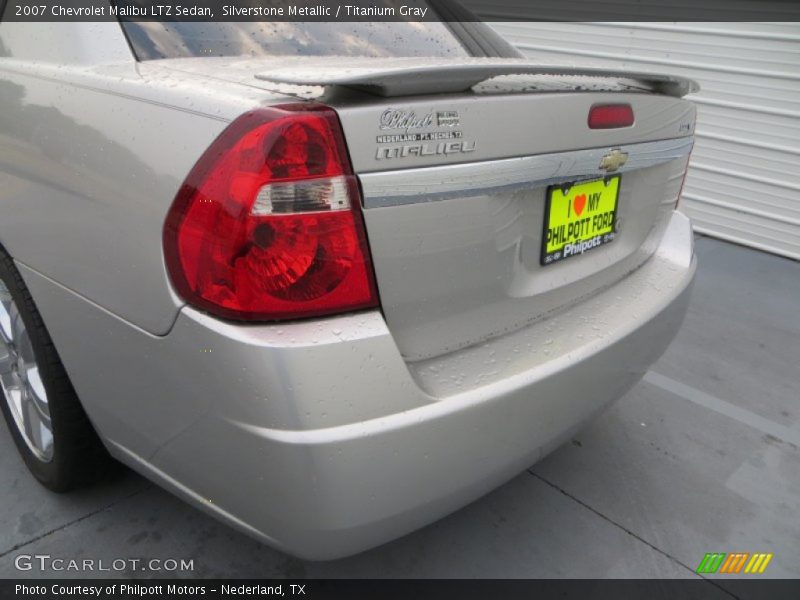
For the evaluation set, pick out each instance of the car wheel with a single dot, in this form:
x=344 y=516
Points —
x=46 y=420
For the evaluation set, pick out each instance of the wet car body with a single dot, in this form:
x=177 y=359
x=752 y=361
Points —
x=477 y=351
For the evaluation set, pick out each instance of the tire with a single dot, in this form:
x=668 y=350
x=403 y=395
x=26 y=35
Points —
x=71 y=454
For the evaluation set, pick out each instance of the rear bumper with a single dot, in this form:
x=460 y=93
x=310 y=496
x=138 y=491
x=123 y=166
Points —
x=319 y=439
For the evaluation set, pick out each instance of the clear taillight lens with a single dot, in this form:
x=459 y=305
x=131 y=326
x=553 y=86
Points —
x=268 y=225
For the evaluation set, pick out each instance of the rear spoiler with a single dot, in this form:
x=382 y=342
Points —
x=412 y=76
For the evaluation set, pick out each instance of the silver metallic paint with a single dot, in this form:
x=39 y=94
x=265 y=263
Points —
x=409 y=76
x=409 y=186
x=266 y=433
x=76 y=150
x=509 y=125
x=459 y=271
x=323 y=437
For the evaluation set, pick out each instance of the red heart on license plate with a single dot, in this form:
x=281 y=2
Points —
x=578 y=203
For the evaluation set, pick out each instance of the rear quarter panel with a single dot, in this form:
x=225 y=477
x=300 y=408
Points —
x=91 y=157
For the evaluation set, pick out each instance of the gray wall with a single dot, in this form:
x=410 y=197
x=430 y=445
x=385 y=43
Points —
x=744 y=180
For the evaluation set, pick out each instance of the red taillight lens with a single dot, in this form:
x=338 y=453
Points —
x=268 y=224
x=610 y=116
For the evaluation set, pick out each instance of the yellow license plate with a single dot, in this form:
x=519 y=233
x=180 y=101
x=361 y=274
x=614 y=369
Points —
x=579 y=218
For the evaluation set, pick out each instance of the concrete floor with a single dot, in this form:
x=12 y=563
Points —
x=702 y=456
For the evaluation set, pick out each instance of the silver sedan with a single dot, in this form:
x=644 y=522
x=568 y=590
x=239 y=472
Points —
x=326 y=282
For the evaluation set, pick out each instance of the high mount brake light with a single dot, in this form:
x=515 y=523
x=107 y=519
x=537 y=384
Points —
x=268 y=225
x=610 y=116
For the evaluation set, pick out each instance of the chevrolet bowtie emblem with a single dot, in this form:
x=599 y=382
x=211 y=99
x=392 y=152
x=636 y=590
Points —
x=613 y=160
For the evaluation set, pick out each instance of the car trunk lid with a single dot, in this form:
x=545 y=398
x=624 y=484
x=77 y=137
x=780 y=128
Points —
x=456 y=159
x=456 y=187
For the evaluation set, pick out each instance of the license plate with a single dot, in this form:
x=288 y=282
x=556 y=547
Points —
x=579 y=218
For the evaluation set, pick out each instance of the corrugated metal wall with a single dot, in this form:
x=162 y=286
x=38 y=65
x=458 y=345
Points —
x=744 y=180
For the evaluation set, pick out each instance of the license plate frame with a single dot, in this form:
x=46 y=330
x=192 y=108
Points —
x=601 y=212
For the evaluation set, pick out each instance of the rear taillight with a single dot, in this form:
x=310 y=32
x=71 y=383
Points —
x=268 y=225
x=610 y=116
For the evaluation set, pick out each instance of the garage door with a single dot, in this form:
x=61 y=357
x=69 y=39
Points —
x=744 y=180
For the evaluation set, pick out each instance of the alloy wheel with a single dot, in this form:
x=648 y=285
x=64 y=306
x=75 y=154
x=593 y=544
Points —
x=21 y=381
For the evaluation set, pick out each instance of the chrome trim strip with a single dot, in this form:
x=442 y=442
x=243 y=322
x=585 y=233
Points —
x=429 y=184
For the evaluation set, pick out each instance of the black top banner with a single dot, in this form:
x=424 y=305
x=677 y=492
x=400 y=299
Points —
x=400 y=10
